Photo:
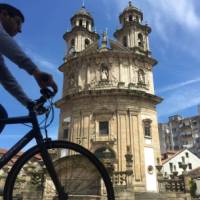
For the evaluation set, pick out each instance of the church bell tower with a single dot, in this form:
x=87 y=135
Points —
x=133 y=34
x=81 y=34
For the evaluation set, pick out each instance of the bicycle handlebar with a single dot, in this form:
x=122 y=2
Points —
x=38 y=105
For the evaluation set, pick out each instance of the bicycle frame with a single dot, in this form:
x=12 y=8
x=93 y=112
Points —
x=21 y=143
x=34 y=133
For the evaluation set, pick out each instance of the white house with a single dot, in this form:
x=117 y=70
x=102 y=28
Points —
x=174 y=163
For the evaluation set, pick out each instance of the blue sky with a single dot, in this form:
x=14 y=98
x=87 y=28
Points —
x=174 y=42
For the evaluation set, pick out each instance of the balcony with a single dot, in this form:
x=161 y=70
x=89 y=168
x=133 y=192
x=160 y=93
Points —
x=110 y=139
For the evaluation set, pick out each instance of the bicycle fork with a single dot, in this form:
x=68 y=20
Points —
x=49 y=163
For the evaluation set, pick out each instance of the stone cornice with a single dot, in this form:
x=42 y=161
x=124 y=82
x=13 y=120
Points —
x=80 y=29
x=145 y=27
x=111 y=92
x=109 y=55
x=84 y=16
x=135 y=10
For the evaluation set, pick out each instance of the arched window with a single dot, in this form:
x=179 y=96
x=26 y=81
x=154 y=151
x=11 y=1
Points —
x=72 y=42
x=125 y=43
x=87 y=25
x=140 y=40
x=147 y=127
x=130 y=17
x=141 y=76
x=80 y=22
x=87 y=43
x=137 y=19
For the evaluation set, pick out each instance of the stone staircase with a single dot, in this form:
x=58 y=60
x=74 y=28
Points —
x=162 y=196
x=149 y=196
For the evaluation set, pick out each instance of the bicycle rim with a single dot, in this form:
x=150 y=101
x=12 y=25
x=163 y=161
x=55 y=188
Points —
x=82 y=175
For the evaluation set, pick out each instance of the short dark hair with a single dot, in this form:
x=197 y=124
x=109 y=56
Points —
x=12 y=11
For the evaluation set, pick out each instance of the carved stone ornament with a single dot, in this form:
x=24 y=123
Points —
x=150 y=169
x=104 y=72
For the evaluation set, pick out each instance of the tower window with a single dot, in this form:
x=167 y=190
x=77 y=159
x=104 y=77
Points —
x=87 y=43
x=140 y=40
x=80 y=22
x=103 y=128
x=72 y=42
x=130 y=18
x=87 y=24
x=125 y=41
x=137 y=19
x=147 y=127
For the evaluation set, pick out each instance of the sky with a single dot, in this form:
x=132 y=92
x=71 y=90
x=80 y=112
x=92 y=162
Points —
x=174 y=42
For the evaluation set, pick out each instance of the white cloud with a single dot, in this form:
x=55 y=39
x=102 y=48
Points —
x=39 y=60
x=163 y=14
x=179 y=100
x=168 y=16
x=178 y=85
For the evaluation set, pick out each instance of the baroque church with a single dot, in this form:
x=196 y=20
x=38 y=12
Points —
x=108 y=103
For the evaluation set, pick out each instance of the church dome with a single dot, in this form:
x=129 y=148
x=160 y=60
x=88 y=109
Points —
x=130 y=9
x=83 y=11
x=82 y=14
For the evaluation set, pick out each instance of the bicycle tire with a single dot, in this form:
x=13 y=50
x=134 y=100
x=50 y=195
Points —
x=69 y=146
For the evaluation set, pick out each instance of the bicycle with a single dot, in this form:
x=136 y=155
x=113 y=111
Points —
x=51 y=170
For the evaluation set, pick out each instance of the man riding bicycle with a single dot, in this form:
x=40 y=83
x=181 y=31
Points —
x=11 y=20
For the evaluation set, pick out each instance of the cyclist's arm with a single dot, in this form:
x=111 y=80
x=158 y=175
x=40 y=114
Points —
x=10 y=49
x=11 y=85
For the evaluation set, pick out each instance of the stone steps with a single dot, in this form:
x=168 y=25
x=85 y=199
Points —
x=149 y=196
x=162 y=196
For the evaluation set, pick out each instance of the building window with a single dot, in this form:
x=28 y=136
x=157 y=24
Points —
x=180 y=164
x=72 y=42
x=187 y=155
x=190 y=165
x=87 y=43
x=130 y=18
x=147 y=127
x=66 y=134
x=183 y=159
x=87 y=25
x=140 y=40
x=125 y=41
x=103 y=128
x=80 y=22
x=171 y=167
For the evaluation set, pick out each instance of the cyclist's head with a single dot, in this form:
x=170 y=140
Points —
x=11 y=18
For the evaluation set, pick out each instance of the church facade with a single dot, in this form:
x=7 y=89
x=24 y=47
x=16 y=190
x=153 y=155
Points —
x=108 y=103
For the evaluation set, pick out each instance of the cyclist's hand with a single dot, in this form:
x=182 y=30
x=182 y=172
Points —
x=45 y=80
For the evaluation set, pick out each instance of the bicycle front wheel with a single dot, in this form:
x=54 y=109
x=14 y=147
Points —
x=81 y=174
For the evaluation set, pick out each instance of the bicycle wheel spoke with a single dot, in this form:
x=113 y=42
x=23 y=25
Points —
x=78 y=176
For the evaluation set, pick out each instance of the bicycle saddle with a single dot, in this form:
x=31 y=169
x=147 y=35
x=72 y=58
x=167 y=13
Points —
x=3 y=115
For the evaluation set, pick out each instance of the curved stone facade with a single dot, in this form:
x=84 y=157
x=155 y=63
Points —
x=108 y=104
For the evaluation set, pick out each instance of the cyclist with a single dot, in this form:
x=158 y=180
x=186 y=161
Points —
x=11 y=20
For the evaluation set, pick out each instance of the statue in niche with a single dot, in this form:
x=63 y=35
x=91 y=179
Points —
x=141 y=76
x=104 y=72
x=72 y=81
